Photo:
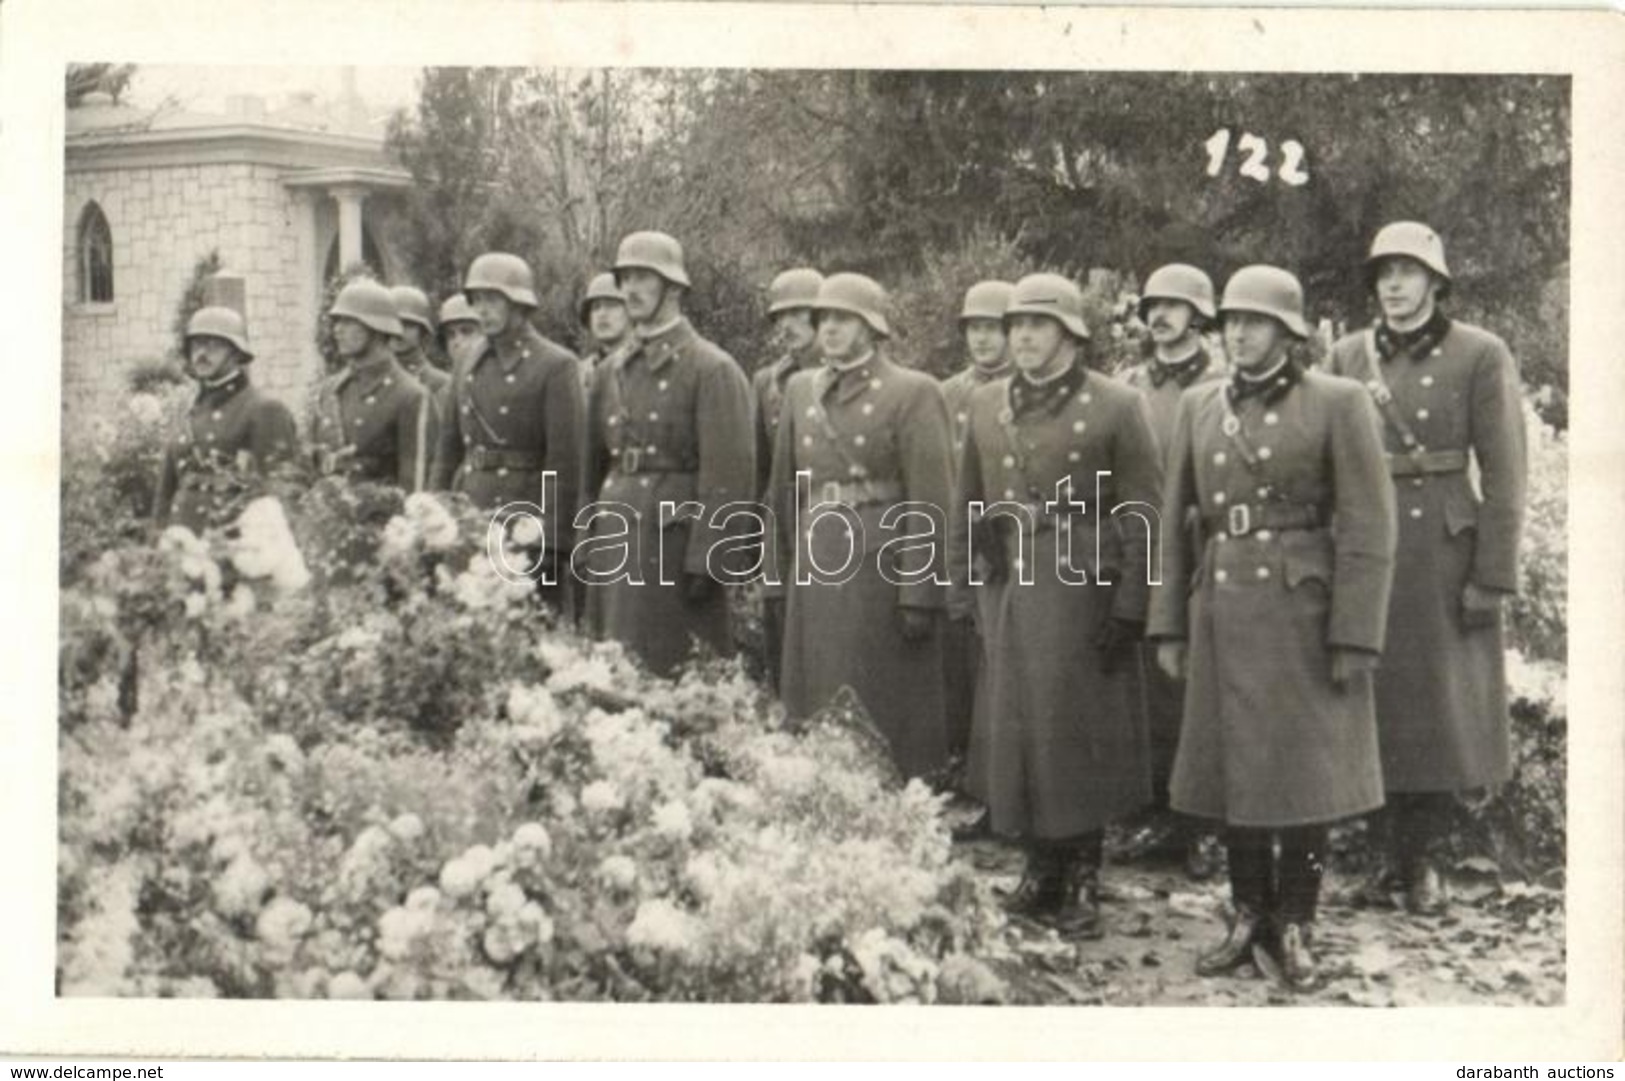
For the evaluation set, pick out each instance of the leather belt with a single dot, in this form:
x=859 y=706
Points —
x=1427 y=461
x=1241 y=519
x=484 y=459
x=857 y=493
x=637 y=460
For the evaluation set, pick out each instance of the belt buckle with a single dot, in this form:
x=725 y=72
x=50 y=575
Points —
x=631 y=459
x=1239 y=520
x=830 y=492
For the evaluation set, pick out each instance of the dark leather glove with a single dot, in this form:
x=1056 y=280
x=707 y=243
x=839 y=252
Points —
x=1115 y=640
x=1347 y=664
x=699 y=588
x=915 y=624
x=1479 y=607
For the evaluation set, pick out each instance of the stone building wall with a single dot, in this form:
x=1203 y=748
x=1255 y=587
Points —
x=164 y=219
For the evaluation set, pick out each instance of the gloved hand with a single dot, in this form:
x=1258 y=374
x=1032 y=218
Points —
x=1349 y=663
x=1115 y=640
x=698 y=588
x=1478 y=607
x=1173 y=658
x=915 y=624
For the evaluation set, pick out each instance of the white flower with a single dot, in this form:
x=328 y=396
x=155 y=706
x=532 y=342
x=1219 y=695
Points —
x=400 y=538
x=660 y=925
x=541 y=927
x=505 y=900
x=423 y=899
x=195 y=605
x=407 y=827
x=601 y=796
x=146 y=409
x=703 y=874
x=436 y=525
x=533 y=708
x=265 y=547
x=400 y=929
x=280 y=926
x=281 y=750
x=241 y=603
x=533 y=839
x=501 y=943
x=348 y=985
x=459 y=878
x=618 y=872
x=672 y=820
x=241 y=887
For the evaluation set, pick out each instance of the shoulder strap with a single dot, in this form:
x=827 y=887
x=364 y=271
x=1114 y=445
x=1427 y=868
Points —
x=1380 y=392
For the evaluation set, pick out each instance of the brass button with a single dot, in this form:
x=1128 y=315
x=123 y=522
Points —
x=1264 y=535
x=1262 y=573
x=1416 y=512
x=1073 y=456
x=1421 y=414
x=1009 y=461
x=1218 y=497
x=1271 y=418
x=1221 y=576
x=1264 y=454
x=1219 y=458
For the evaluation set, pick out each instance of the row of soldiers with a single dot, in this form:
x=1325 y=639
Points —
x=1180 y=578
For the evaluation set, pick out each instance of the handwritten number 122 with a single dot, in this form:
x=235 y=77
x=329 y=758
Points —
x=1254 y=152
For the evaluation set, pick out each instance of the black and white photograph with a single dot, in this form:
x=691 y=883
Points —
x=910 y=531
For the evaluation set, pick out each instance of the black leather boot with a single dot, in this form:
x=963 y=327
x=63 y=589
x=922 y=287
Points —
x=1425 y=891
x=1078 y=915
x=1039 y=891
x=1288 y=960
x=1244 y=929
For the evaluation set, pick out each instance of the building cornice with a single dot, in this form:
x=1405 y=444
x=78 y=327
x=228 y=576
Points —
x=230 y=144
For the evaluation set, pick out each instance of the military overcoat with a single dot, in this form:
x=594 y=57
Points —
x=871 y=438
x=1441 y=693
x=1296 y=558
x=373 y=422
x=767 y=401
x=231 y=428
x=669 y=423
x=518 y=413
x=1163 y=696
x=1058 y=746
x=438 y=383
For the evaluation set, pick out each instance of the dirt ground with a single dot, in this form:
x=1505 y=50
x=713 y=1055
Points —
x=1500 y=943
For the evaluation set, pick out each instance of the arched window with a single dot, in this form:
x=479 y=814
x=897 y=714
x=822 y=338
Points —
x=95 y=257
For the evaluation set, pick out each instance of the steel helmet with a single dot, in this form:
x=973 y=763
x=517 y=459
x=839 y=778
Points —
x=658 y=252
x=412 y=305
x=502 y=273
x=986 y=300
x=1179 y=281
x=855 y=294
x=602 y=287
x=1412 y=239
x=1051 y=295
x=224 y=323
x=793 y=289
x=1267 y=290
x=456 y=309
x=370 y=304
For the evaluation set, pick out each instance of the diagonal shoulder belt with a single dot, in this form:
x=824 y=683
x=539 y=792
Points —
x=1418 y=463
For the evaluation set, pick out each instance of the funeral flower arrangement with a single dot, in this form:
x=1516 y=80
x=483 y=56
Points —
x=311 y=755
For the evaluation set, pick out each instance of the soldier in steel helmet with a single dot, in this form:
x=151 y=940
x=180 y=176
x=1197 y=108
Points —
x=514 y=439
x=669 y=427
x=373 y=422
x=602 y=314
x=1276 y=618
x=981 y=328
x=1449 y=397
x=1176 y=305
x=860 y=467
x=1056 y=515
x=417 y=330
x=461 y=339
x=790 y=298
x=233 y=429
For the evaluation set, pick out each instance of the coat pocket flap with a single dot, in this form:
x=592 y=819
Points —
x=1306 y=556
x=1460 y=510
